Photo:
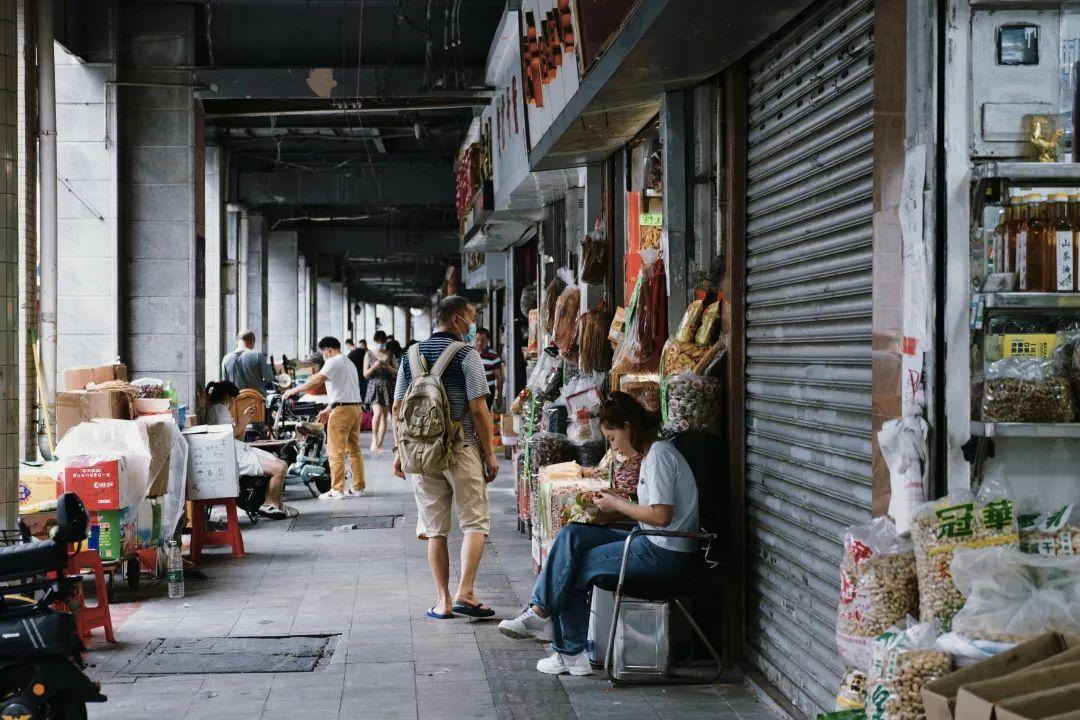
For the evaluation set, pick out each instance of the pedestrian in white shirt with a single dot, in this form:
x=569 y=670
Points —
x=342 y=417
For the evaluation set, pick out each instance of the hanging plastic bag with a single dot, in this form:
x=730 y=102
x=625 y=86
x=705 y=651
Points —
x=546 y=375
x=709 y=330
x=594 y=349
x=564 y=330
x=645 y=333
x=902 y=663
x=551 y=300
x=878 y=587
x=594 y=257
x=689 y=324
x=903 y=446
x=1022 y=389
x=528 y=299
x=694 y=403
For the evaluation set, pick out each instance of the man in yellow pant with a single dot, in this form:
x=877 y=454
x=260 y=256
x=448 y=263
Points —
x=342 y=417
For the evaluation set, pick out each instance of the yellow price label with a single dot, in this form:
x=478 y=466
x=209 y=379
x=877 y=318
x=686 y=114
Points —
x=651 y=219
x=1029 y=345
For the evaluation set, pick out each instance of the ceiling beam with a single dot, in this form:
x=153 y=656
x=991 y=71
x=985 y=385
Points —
x=374 y=186
x=328 y=82
x=374 y=243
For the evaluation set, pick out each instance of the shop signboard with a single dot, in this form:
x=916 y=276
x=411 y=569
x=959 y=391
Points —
x=549 y=62
x=506 y=114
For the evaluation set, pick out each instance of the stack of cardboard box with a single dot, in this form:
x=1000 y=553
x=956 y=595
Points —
x=76 y=405
x=1037 y=680
x=125 y=520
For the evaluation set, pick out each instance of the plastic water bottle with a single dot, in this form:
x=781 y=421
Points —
x=174 y=569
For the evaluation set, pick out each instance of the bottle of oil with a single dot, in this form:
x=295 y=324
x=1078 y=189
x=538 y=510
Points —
x=1060 y=265
x=1015 y=217
x=1029 y=247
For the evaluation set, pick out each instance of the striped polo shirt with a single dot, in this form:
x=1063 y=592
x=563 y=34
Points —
x=464 y=379
x=491 y=360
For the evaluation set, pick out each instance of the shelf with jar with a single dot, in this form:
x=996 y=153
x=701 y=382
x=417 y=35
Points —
x=1025 y=320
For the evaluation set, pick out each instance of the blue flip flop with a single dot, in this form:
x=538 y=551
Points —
x=436 y=616
x=473 y=611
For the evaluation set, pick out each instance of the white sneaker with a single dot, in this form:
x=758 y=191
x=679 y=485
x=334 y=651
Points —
x=527 y=625
x=557 y=664
x=331 y=495
x=350 y=492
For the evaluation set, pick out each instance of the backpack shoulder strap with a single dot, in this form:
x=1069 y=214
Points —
x=417 y=362
x=447 y=357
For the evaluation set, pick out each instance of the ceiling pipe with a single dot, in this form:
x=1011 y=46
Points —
x=352 y=111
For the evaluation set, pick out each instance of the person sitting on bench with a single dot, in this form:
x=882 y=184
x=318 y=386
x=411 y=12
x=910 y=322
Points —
x=250 y=460
x=667 y=500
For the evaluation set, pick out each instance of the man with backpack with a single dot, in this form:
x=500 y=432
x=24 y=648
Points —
x=444 y=443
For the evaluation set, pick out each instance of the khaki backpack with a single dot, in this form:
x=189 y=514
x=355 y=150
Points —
x=427 y=434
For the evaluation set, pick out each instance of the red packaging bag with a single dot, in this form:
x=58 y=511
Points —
x=101 y=482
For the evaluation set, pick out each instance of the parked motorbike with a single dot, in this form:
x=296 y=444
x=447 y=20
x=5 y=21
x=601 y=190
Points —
x=41 y=663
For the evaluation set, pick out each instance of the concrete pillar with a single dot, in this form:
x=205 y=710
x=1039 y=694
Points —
x=161 y=182
x=230 y=280
x=336 y=316
x=673 y=132
x=282 y=294
x=9 y=270
x=593 y=211
x=313 y=307
x=218 y=339
x=384 y=318
x=88 y=256
x=257 y=277
x=370 y=322
x=302 y=303
x=323 y=309
x=401 y=325
x=27 y=180
x=421 y=325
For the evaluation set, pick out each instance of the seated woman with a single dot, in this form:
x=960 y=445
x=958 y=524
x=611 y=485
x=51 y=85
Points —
x=667 y=500
x=250 y=460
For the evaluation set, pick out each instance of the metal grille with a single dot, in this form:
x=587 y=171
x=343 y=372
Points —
x=808 y=333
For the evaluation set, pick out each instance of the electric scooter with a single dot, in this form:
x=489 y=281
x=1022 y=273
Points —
x=41 y=664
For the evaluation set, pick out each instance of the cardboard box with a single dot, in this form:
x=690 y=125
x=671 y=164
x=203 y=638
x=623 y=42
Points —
x=122 y=532
x=212 y=471
x=40 y=523
x=976 y=701
x=77 y=378
x=939 y=697
x=102 y=482
x=1039 y=705
x=38 y=483
x=81 y=406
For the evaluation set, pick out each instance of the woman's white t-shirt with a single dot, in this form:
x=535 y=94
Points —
x=666 y=479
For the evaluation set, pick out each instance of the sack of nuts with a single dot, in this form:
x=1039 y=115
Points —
x=1020 y=389
x=955 y=521
x=878 y=587
x=1055 y=532
x=903 y=662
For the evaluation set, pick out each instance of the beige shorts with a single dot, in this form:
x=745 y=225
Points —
x=461 y=484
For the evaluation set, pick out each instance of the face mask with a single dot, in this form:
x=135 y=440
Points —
x=469 y=335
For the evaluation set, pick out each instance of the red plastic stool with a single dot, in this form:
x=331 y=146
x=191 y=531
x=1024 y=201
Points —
x=97 y=616
x=201 y=537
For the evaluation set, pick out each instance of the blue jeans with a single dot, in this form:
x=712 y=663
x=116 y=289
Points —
x=581 y=554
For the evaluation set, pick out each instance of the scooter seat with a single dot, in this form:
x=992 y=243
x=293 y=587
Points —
x=25 y=559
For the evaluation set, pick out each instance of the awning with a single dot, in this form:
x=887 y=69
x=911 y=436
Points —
x=664 y=45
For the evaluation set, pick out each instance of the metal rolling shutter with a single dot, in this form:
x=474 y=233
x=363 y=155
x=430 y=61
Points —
x=808 y=305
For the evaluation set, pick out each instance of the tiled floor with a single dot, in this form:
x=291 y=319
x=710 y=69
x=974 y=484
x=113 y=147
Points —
x=391 y=662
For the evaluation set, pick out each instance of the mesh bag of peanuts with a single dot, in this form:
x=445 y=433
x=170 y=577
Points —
x=903 y=662
x=958 y=520
x=878 y=587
